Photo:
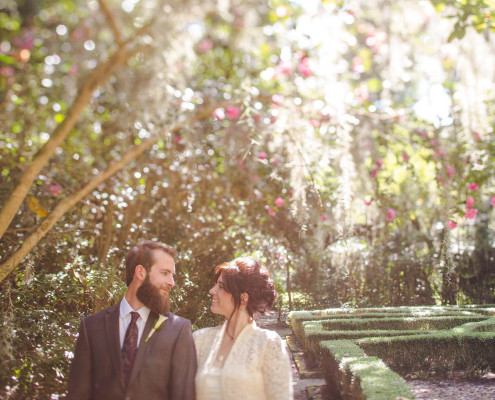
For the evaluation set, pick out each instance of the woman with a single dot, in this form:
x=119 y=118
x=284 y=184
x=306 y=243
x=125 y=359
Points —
x=238 y=360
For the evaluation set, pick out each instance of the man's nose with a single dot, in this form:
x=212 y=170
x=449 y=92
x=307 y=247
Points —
x=171 y=282
x=211 y=291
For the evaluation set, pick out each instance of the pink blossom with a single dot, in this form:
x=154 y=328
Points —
x=493 y=201
x=275 y=161
x=303 y=67
x=357 y=65
x=450 y=170
x=477 y=136
x=368 y=202
x=374 y=173
x=451 y=225
x=390 y=214
x=314 y=123
x=405 y=156
x=471 y=213
x=205 y=45
x=262 y=155
x=379 y=163
x=7 y=71
x=257 y=117
x=473 y=186
x=55 y=190
x=279 y=202
x=324 y=217
x=177 y=138
x=283 y=68
x=271 y=212
x=219 y=113
x=278 y=98
x=469 y=202
x=233 y=112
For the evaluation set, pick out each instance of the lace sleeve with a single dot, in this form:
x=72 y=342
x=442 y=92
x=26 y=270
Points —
x=277 y=372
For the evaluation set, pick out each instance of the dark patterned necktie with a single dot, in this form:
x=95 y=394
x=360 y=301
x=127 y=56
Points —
x=130 y=346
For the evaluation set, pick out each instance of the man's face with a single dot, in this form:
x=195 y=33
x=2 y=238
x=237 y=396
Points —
x=153 y=292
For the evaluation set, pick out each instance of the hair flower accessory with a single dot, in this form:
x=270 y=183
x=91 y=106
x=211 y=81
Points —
x=158 y=324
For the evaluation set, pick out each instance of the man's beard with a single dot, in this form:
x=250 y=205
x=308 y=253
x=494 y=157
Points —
x=150 y=296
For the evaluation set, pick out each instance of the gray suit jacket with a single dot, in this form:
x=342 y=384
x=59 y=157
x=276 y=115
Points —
x=164 y=367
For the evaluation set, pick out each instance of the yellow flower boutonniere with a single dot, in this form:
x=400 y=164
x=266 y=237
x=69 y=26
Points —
x=158 y=324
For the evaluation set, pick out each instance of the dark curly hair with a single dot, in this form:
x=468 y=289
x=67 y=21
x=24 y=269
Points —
x=248 y=275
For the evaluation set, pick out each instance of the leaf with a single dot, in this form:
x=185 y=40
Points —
x=35 y=206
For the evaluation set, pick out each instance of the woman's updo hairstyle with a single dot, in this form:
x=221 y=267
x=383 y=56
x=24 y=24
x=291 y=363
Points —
x=248 y=275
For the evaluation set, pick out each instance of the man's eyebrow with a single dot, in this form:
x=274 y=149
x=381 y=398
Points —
x=166 y=269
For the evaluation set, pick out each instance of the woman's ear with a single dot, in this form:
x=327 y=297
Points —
x=244 y=299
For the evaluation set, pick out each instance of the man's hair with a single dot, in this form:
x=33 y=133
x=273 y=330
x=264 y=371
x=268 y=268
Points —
x=142 y=254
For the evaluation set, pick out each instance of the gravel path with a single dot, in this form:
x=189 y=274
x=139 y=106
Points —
x=448 y=389
x=423 y=389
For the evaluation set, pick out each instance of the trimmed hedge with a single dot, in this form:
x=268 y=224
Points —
x=403 y=323
x=352 y=375
x=314 y=335
x=440 y=352
x=297 y=318
x=483 y=326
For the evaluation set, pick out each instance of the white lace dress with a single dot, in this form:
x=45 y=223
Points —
x=257 y=367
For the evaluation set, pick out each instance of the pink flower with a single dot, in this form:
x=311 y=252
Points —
x=373 y=173
x=55 y=190
x=493 y=201
x=368 y=202
x=7 y=71
x=303 y=67
x=471 y=213
x=405 y=156
x=271 y=212
x=205 y=45
x=233 y=112
x=279 y=202
x=278 y=98
x=257 y=117
x=283 y=68
x=477 y=136
x=324 y=217
x=473 y=186
x=177 y=139
x=469 y=202
x=450 y=170
x=390 y=214
x=219 y=113
x=451 y=225
x=262 y=155
x=379 y=163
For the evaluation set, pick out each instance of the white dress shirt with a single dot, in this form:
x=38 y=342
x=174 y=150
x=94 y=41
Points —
x=125 y=320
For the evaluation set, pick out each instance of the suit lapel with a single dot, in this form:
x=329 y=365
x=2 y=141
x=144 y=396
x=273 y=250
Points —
x=113 y=340
x=138 y=361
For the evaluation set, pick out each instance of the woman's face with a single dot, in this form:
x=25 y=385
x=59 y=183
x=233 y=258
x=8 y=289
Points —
x=222 y=302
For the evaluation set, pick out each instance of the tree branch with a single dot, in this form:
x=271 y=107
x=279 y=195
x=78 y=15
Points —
x=64 y=205
x=111 y=21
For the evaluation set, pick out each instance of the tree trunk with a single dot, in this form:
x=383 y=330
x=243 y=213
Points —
x=62 y=207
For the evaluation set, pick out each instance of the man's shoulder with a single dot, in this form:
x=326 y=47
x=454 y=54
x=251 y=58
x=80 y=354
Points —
x=100 y=315
x=176 y=320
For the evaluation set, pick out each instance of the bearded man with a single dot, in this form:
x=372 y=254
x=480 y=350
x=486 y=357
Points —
x=137 y=349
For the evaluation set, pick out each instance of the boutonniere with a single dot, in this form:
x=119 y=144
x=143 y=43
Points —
x=158 y=324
